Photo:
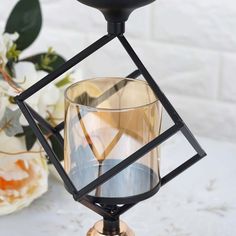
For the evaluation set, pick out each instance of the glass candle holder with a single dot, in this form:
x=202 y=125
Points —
x=106 y=120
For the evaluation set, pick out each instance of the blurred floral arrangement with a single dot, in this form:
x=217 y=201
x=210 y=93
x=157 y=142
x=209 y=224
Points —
x=23 y=167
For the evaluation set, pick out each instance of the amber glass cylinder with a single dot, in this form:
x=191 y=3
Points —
x=106 y=120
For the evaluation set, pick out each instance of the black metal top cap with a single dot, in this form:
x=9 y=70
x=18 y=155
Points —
x=116 y=11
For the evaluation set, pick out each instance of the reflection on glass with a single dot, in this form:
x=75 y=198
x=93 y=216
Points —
x=106 y=120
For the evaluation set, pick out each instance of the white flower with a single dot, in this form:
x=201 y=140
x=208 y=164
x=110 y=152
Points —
x=24 y=177
x=58 y=111
x=26 y=75
x=6 y=42
x=4 y=102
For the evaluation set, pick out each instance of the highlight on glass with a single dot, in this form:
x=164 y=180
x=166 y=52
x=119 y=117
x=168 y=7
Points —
x=106 y=120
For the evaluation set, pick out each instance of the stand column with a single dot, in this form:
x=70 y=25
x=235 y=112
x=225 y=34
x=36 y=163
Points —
x=116 y=28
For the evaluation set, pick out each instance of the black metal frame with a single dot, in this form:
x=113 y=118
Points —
x=82 y=195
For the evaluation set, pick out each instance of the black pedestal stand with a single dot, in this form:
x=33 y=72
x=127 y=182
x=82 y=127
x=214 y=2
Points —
x=116 y=13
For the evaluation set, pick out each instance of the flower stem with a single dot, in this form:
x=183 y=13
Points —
x=19 y=153
x=9 y=80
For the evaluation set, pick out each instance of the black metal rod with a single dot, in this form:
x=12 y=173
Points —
x=180 y=169
x=66 y=66
x=59 y=138
x=99 y=210
x=192 y=140
x=46 y=125
x=60 y=126
x=53 y=158
x=40 y=119
x=135 y=74
x=128 y=161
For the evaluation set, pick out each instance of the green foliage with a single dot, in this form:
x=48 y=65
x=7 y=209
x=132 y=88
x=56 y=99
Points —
x=48 y=61
x=26 y=20
x=13 y=53
x=63 y=82
x=57 y=148
x=30 y=137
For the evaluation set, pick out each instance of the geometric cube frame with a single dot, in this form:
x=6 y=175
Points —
x=112 y=211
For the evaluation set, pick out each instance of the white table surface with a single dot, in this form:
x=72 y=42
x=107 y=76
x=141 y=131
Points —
x=200 y=202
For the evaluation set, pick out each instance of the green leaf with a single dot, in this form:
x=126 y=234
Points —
x=63 y=82
x=30 y=137
x=26 y=20
x=19 y=135
x=57 y=148
x=10 y=122
x=53 y=65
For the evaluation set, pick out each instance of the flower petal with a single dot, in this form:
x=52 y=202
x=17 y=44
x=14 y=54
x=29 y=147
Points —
x=25 y=73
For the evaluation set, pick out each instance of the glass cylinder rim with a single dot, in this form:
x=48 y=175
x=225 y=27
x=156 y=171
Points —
x=107 y=109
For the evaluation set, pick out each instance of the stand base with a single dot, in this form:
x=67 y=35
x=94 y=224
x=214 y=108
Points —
x=97 y=230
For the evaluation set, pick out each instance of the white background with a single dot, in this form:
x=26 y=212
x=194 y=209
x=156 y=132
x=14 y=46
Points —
x=189 y=47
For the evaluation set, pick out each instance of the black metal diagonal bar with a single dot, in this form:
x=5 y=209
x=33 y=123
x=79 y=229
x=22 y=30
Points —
x=53 y=158
x=99 y=210
x=41 y=120
x=59 y=138
x=135 y=74
x=192 y=140
x=180 y=169
x=51 y=130
x=66 y=66
x=60 y=126
x=157 y=91
x=128 y=161
x=106 y=94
